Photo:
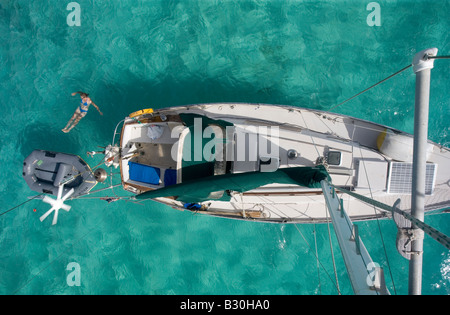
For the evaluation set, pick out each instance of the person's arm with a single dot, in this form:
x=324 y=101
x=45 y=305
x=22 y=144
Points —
x=78 y=92
x=97 y=108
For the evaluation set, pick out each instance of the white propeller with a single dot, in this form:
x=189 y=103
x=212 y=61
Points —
x=56 y=204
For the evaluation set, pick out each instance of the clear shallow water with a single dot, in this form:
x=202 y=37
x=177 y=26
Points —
x=136 y=54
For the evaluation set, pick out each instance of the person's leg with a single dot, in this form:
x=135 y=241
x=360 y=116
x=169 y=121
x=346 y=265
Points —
x=70 y=121
x=77 y=120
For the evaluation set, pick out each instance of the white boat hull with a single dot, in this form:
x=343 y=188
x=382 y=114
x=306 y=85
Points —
x=355 y=161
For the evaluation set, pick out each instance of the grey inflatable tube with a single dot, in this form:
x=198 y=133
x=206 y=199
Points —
x=44 y=171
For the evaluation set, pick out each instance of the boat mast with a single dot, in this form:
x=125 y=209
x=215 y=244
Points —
x=422 y=66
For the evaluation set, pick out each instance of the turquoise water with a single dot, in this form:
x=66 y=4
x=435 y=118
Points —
x=131 y=55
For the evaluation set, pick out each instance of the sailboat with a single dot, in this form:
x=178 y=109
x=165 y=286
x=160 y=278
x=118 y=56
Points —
x=269 y=163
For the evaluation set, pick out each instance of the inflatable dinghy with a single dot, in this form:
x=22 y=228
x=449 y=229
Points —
x=45 y=171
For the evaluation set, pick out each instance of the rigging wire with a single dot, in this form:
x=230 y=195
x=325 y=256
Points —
x=378 y=221
x=326 y=272
x=385 y=79
x=332 y=252
x=317 y=255
x=435 y=234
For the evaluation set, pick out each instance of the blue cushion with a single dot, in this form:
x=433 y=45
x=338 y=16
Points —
x=144 y=173
x=170 y=177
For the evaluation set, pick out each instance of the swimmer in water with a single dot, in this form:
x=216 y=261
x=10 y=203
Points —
x=81 y=110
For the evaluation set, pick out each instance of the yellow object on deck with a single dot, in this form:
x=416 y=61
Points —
x=381 y=138
x=141 y=112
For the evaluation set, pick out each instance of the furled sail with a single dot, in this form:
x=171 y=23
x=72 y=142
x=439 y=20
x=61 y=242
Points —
x=201 y=189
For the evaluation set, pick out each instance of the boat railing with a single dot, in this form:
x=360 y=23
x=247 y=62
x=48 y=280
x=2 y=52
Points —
x=113 y=143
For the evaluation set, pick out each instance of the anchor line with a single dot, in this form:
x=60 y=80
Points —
x=21 y=204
